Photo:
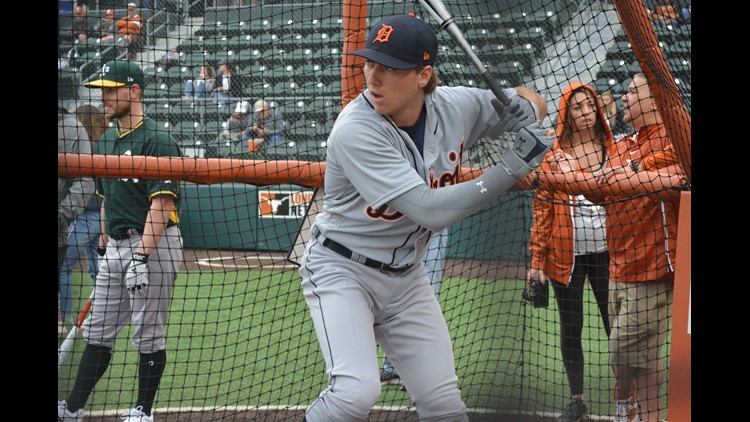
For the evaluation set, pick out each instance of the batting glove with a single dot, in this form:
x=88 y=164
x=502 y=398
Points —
x=136 y=277
x=517 y=114
x=529 y=148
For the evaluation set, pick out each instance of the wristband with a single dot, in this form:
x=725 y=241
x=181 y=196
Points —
x=140 y=257
x=636 y=166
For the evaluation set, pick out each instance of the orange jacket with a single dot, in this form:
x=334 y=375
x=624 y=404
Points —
x=642 y=231
x=128 y=25
x=552 y=237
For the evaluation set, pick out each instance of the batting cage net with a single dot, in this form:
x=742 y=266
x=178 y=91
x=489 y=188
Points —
x=240 y=341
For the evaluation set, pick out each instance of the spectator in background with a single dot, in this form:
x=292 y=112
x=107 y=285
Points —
x=687 y=14
x=267 y=126
x=106 y=29
x=240 y=120
x=614 y=115
x=200 y=87
x=82 y=28
x=568 y=242
x=638 y=184
x=83 y=233
x=228 y=83
x=130 y=27
x=72 y=193
x=666 y=13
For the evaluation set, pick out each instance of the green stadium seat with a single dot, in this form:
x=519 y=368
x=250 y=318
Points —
x=188 y=45
x=216 y=44
x=535 y=35
x=289 y=40
x=216 y=111
x=331 y=72
x=310 y=150
x=240 y=42
x=309 y=72
x=510 y=73
x=282 y=151
x=621 y=50
x=159 y=111
x=299 y=56
x=478 y=34
x=332 y=24
x=327 y=55
x=324 y=108
x=247 y=56
x=258 y=26
x=280 y=73
x=188 y=131
x=316 y=40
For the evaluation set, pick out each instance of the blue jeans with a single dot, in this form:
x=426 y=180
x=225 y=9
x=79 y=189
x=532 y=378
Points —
x=195 y=89
x=434 y=263
x=83 y=239
x=222 y=98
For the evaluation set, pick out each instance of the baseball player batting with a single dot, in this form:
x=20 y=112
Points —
x=144 y=249
x=394 y=156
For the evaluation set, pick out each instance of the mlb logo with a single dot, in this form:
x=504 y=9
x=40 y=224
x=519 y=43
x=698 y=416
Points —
x=283 y=204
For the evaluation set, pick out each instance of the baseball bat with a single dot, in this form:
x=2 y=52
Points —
x=66 y=348
x=443 y=16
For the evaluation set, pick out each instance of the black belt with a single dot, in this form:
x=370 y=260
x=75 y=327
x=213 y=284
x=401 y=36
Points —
x=347 y=253
x=126 y=234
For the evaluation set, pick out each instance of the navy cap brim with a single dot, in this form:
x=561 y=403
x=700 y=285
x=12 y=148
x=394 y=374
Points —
x=383 y=59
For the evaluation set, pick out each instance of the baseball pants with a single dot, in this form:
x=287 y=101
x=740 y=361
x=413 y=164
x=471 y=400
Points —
x=354 y=308
x=112 y=307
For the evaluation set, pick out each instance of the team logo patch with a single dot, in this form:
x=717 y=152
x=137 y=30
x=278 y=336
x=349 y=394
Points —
x=283 y=204
x=384 y=34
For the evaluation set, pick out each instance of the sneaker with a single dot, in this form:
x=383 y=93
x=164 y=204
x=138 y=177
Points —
x=574 y=412
x=137 y=415
x=65 y=415
x=627 y=410
x=388 y=377
x=62 y=332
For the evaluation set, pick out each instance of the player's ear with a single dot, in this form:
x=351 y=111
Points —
x=425 y=74
x=135 y=91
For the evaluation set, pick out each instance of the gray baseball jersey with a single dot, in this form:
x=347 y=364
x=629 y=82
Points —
x=362 y=272
x=370 y=162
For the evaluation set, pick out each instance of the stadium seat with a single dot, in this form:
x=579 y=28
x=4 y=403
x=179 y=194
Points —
x=534 y=35
x=157 y=90
x=614 y=69
x=298 y=56
x=309 y=72
x=327 y=55
x=188 y=131
x=240 y=42
x=279 y=73
x=478 y=35
x=510 y=73
x=282 y=151
x=258 y=26
x=621 y=50
x=332 y=24
x=316 y=40
x=290 y=40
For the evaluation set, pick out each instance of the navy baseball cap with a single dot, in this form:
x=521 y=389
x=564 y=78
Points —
x=400 y=42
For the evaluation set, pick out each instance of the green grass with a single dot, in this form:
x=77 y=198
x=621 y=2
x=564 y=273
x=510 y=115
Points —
x=246 y=339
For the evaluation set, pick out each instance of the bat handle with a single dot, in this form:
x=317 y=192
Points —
x=499 y=93
x=83 y=313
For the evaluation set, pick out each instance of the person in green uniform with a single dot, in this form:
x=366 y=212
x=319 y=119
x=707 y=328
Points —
x=142 y=245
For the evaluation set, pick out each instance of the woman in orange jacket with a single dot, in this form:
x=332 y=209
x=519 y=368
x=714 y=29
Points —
x=568 y=237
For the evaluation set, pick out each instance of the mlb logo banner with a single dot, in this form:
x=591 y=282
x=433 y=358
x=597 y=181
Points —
x=283 y=203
